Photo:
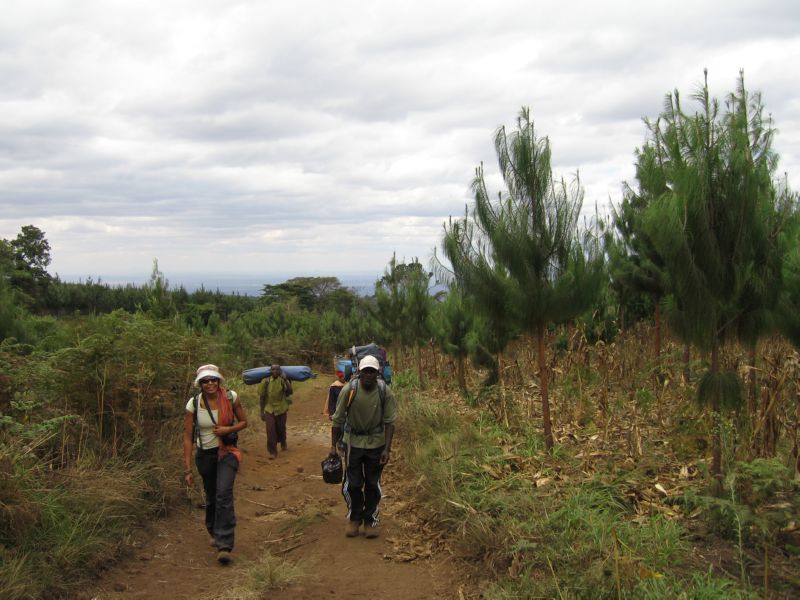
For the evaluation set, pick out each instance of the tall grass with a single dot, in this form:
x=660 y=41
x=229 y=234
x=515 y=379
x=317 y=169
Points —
x=60 y=525
x=566 y=539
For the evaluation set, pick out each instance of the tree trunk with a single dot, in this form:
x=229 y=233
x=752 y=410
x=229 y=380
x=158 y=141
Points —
x=418 y=358
x=548 y=431
x=658 y=330
x=687 y=355
x=752 y=401
x=624 y=362
x=461 y=375
x=716 y=458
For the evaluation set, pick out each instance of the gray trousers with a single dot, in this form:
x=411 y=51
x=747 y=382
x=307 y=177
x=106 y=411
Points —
x=218 y=477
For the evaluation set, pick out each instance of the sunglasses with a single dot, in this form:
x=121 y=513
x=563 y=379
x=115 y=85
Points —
x=211 y=380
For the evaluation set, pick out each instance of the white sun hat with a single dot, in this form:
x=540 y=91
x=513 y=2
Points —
x=369 y=362
x=208 y=371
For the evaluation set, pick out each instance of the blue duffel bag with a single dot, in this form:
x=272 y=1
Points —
x=258 y=374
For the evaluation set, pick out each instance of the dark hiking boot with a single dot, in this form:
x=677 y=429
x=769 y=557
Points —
x=224 y=557
x=352 y=528
x=371 y=531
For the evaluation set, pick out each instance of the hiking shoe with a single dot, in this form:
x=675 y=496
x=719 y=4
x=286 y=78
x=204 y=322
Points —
x=284 y=446
x=352 y=528
x=371 y=531
x=224 y=557
x=272 y=456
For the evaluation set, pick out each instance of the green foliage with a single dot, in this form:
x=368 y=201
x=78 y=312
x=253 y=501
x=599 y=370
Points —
x=720 y=389
x=454 y=326
x=12 y=315
x=119 y=375
x=760 y=500
x=287 y=333
x=403 y=305
x=761 y=481
x=57 y=526
x=253 y=580
x=717 y=224
x=637 y=269
x=521 y=258
x=402 y=302
x=788 y=317
x=486 y=286
x=405 y=379
x=24 y=261
x=579 y=541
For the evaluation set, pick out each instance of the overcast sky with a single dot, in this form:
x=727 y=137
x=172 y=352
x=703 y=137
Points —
x=318 y=137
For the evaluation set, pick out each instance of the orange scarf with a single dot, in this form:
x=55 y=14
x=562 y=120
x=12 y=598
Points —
x=225 y=412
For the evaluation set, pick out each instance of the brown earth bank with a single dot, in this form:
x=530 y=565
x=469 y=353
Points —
x=284 y=508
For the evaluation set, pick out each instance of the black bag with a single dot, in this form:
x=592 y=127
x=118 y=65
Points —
x=332 y=471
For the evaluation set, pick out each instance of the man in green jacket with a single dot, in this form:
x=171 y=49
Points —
x=273 y=401
x=365 y=413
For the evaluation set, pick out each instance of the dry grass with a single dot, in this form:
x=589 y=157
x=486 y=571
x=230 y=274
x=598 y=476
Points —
x=629 y=466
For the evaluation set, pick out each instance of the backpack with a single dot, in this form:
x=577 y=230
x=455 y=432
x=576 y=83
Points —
x=357 y=353
x=196 y=430
x=352 y=395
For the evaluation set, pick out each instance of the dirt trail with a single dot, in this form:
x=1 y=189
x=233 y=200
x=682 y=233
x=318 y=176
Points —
x=283 y=507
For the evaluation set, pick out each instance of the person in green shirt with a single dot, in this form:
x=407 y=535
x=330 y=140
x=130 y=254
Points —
x=273 y=401
x=365 y=413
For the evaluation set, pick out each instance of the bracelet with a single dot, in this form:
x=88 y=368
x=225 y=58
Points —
x=187 y=471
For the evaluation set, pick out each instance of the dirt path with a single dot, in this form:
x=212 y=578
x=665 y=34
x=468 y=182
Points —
x=284 y=507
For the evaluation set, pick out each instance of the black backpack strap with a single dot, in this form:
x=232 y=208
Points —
x=198 y=439
x=208 y=410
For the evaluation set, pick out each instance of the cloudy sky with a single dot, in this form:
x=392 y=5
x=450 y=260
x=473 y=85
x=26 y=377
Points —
x=320 y=136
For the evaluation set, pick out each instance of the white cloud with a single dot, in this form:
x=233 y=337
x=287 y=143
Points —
x=322 y=136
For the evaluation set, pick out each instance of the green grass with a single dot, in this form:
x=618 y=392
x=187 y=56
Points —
x=61 y=526
x=576 y=538
x=253 y=580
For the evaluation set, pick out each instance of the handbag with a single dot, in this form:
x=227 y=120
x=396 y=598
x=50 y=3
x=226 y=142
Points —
x=332 y=470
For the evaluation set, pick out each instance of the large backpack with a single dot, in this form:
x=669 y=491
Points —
x=357 y=353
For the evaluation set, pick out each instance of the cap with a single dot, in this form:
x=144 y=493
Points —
x=369 y=362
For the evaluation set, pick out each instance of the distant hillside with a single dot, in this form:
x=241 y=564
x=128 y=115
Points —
x=245 y=284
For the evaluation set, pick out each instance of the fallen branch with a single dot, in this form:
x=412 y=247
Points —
x=260 y=504
x=290 y=548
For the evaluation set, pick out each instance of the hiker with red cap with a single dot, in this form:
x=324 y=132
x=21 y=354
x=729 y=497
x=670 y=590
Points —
x=212 y=423
x=365 y=413
x=333 y=395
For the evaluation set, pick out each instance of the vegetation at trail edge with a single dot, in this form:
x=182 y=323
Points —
x=611 y=411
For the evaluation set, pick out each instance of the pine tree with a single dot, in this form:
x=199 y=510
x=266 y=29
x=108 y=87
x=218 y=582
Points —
x=712 y=228
x=533 y=256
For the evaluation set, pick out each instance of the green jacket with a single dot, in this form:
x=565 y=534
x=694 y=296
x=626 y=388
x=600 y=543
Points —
x=363 y=423
x=273 y=396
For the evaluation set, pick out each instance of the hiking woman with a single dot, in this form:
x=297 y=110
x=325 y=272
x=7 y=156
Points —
x=212 y=421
